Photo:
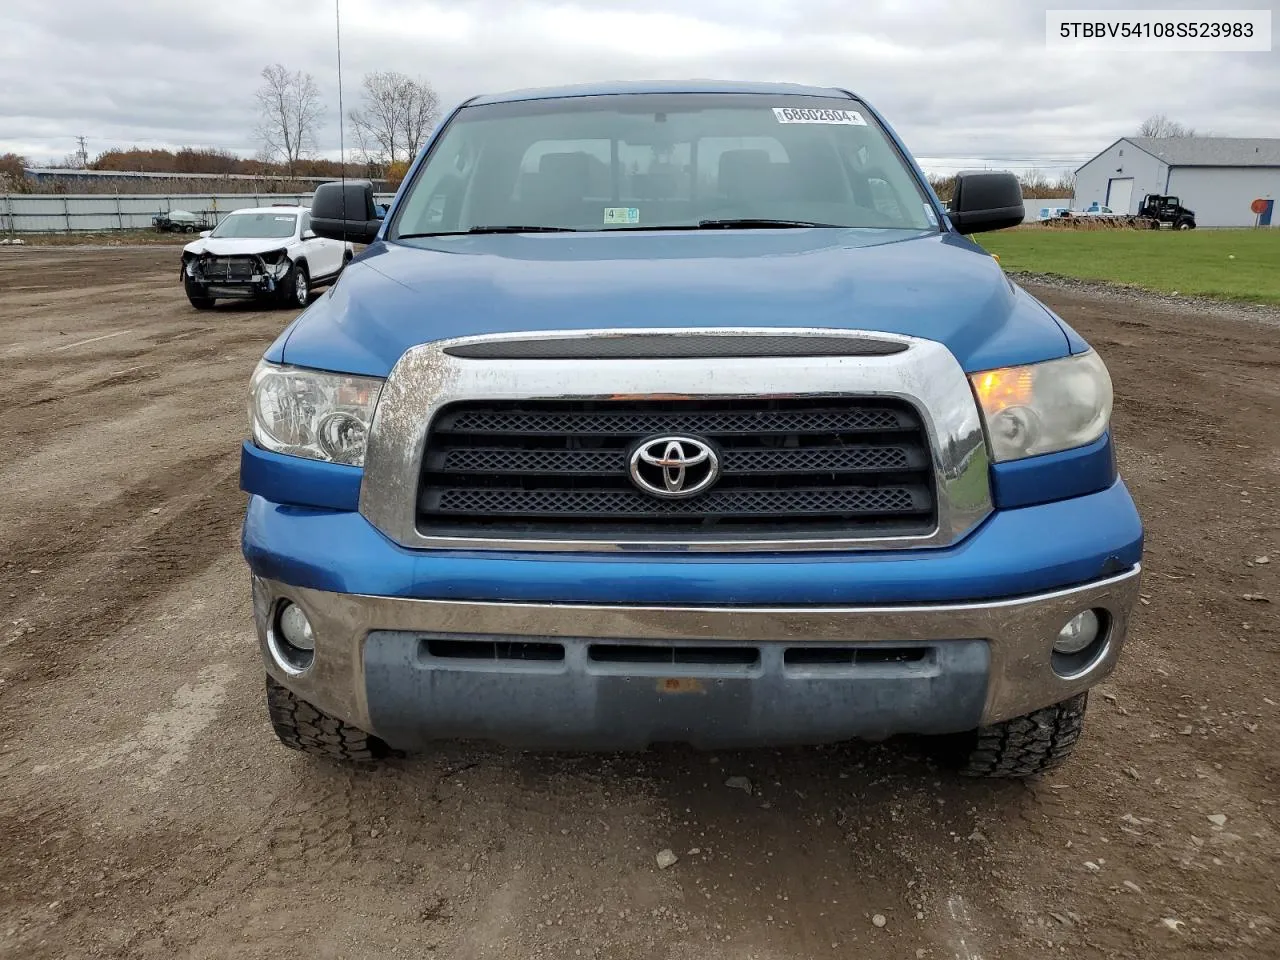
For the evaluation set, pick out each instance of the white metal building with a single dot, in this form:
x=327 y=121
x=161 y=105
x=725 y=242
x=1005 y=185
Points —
x=1217 y=177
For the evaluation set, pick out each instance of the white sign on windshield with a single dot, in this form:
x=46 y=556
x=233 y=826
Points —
x=818 y=115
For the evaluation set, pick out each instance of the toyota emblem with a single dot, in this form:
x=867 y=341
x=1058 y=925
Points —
x=674 y=467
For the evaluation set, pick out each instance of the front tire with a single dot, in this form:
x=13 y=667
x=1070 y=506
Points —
x=1020 y=748
x=295 y=288
x=197 y=295
x=300 y=726
x=1186 y=223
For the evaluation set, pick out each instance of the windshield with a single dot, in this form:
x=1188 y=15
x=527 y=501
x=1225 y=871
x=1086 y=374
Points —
x=242 y=226
x=663 y=161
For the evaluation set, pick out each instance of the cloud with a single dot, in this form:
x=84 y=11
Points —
x=958 y=80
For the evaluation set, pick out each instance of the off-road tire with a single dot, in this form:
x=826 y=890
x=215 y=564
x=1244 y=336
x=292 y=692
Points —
x=301 y=726
x=1020 y=748
x=197 y=300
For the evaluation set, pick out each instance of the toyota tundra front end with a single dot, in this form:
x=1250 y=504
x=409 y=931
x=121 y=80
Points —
x=682 y=413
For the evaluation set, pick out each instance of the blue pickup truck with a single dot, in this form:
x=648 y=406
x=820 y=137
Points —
x=682 y=412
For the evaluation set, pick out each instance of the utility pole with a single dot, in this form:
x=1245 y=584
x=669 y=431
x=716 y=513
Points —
x=84 y=154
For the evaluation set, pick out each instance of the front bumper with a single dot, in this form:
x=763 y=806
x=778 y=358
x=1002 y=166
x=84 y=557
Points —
x=224 y=284
x=413 y=670
x=238 y=289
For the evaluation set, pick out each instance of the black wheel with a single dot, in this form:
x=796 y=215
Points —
x=1186 y=223
x=1020 y=748
x=295 y=288
x=197 y=294
x=300 y=726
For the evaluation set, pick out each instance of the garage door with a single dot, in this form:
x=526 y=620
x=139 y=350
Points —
x=1119 y=193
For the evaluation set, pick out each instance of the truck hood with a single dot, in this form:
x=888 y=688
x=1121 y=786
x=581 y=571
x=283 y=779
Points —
x=233 y=246
x=938 y=286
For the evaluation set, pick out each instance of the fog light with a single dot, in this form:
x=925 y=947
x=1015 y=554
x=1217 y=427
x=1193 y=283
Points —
x=295 y=628
x=1077 y=633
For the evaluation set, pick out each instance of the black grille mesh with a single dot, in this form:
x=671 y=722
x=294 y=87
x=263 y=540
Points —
x=795 y=460
x=610 y=422
x=603 y=504
x=789 y=466
x=511 y=460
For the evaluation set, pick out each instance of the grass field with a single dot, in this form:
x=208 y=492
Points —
x=1228 y=264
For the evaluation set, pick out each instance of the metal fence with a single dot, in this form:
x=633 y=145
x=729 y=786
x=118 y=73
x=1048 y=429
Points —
x=73 y=213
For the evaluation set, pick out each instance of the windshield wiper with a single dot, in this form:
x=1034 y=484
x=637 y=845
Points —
x=752 y=223
x=745 y=223
x=499 y=229
x=741 y=223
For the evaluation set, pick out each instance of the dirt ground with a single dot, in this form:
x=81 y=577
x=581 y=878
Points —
x=147 y=811
x=105 y=238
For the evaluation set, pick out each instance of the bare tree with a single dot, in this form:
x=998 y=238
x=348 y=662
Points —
x=289 y=112
x=1162 y=128
x=395 y=117
x=13 y=172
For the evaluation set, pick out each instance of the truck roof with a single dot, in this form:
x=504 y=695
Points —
x=677 y=86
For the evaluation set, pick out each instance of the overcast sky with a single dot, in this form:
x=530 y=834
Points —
x=961 y=80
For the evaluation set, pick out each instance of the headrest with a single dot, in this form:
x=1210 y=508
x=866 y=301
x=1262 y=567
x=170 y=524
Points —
x=738 y=168
x=564 y=166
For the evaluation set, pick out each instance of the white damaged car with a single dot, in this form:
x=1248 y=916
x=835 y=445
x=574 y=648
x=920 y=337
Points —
x=263 y=252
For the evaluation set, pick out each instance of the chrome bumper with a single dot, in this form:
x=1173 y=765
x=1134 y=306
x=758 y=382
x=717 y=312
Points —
x=1019 y=634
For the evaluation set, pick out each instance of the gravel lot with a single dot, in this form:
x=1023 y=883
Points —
x=147 y=811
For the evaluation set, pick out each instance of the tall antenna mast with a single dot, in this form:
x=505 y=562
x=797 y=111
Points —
x=342 y=144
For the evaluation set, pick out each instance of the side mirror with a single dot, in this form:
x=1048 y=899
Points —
x=308 y=234
x=344 y=210
x=985 y=200
x=205 y=233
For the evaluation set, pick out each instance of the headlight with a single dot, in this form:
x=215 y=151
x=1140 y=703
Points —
x=276 y=262
x=309 y=413
x=1044 y=407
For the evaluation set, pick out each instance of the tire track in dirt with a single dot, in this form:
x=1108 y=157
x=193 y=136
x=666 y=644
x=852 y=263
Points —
x=86 y=589
x=128 y=377
x=90 y=527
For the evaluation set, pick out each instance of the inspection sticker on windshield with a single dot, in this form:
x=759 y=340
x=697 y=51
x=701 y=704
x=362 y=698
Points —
x=818 y=115
x=617 y=215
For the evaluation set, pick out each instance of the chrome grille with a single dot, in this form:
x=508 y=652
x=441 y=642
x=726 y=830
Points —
x=816 y=466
